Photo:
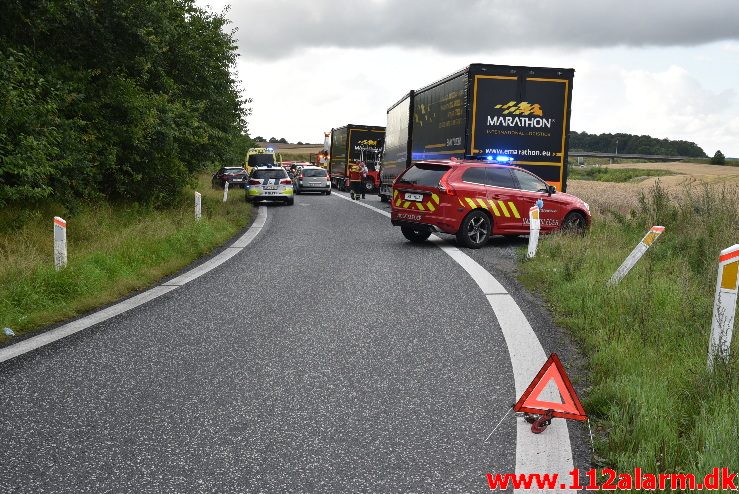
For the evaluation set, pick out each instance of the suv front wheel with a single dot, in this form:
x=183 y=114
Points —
x=475 y=230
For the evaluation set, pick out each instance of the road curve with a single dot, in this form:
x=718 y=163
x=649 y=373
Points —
x=329 y=356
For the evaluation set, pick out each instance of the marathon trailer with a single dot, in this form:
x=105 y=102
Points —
x=352 y=144
x=499 y=113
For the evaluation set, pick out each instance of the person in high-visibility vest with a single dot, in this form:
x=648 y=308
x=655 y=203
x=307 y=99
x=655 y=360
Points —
x=363 y=171
x=355 y=181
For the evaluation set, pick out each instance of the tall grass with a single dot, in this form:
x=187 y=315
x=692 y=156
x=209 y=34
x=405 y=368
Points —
x=606 y=174
x=654 y=402
x=113 y=250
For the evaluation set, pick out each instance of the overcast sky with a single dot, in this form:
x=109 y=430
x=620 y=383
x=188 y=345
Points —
x=662 y=68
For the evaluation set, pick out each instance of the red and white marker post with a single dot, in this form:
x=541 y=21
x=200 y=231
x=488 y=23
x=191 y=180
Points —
x=724 y=305
x=225 y=191
x=636 y=254
x=198 y=205
x=60 y=243
x=534 y=227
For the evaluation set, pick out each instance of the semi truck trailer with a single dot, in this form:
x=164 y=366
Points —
x=352 y=144
x=500 y=113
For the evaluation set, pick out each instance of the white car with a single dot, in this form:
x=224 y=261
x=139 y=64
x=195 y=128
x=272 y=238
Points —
x=312 y=179
x=269 y=183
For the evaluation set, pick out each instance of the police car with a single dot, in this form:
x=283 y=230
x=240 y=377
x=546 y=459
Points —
x=270 y=183
x=476 y=199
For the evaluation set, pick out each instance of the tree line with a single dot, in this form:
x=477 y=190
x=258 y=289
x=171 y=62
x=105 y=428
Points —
x=633 y=144
x=116 y=99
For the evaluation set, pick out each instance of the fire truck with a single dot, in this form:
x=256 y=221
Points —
x=353 y=144
x=321 y=158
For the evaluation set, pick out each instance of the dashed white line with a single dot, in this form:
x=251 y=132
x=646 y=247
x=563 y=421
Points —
x=78 y=325
x=551 y=451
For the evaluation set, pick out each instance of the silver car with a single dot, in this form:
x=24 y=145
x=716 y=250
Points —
x=312 y=179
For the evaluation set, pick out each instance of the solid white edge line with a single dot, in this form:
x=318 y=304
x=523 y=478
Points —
x=548 y=452
x=78 y=325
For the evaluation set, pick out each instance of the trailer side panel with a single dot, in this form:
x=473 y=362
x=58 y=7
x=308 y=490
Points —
x=439 y=120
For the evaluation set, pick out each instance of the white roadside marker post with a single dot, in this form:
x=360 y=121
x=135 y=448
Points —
x=198 y=208
x=724 y=305
x=636 y=254
x=60 y=243
x=534 y=227
x=225 y=192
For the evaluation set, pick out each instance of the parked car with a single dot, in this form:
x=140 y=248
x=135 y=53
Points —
x=312 y=179
x=235 y=176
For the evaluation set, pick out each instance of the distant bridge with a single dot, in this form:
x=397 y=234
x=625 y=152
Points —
x=656 y=157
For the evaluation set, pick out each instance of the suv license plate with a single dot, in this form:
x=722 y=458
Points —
x=413 y=197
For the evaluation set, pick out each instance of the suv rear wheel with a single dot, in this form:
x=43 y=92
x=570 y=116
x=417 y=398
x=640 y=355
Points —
x=415 y=235
x=475 y=230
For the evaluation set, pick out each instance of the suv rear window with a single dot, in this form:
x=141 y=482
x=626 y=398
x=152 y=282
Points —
x=476 y=175
x=424 y=174
x=314 y=173
x=273 y=173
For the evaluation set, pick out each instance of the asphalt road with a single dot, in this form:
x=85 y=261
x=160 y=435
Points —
x=329 y=356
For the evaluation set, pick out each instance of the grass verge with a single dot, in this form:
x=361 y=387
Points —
x=113 y=250
x=605 y=174
x=652 y=399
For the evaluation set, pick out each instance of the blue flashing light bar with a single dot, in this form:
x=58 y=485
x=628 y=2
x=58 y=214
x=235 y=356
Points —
x=500 y=159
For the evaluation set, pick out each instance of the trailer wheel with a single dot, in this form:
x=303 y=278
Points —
x=369 y=185
x=384 y=198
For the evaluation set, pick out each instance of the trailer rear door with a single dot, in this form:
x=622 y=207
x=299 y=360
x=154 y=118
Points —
x=525 y=117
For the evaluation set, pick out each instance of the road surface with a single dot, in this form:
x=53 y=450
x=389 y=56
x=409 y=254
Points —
x=329 y=356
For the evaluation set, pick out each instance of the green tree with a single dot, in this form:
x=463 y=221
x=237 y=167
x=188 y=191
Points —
x=124 y=98
x=718 y=158
x=629 y=143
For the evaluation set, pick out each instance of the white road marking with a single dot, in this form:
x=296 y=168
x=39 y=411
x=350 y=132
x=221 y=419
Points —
x=550 y=451
x=78 y=325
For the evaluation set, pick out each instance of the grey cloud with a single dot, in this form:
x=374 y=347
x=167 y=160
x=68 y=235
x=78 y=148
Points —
x=277 y=28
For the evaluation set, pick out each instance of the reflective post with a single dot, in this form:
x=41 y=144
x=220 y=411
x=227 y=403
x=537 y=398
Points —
x=724 y=305
x=636 y=254
x=60 y=243
x=534 y=227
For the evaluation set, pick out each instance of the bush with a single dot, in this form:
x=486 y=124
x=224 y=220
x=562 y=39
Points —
x=718 y=158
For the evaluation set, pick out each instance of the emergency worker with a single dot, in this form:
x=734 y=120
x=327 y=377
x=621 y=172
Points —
x=355 y=181
x=364 y=172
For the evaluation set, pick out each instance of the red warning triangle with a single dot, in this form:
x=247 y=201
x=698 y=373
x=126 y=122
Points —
x=570 y=408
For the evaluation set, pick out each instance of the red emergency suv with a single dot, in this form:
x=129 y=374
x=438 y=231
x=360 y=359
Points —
x=475 y=199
